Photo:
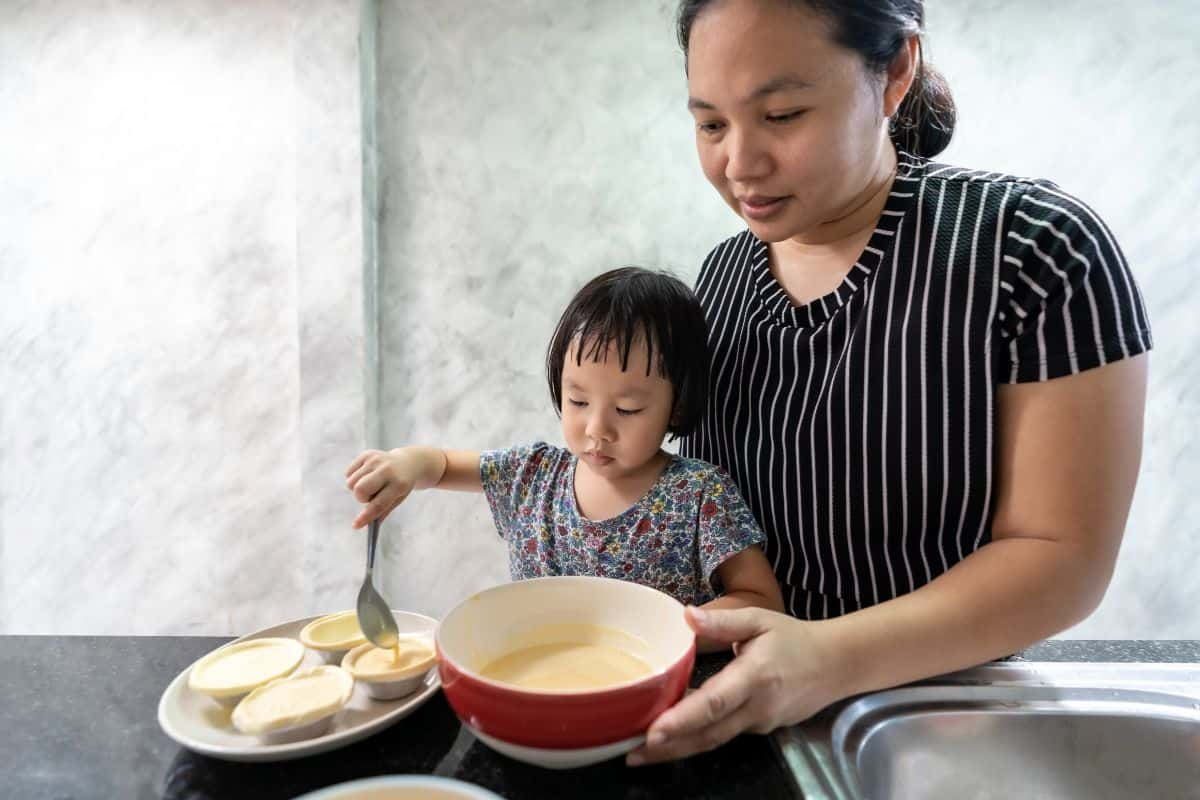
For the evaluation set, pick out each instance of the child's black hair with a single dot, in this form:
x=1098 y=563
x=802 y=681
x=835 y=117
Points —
x=629 y=304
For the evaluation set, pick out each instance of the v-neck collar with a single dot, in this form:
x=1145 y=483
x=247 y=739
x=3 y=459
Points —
x=909 y=171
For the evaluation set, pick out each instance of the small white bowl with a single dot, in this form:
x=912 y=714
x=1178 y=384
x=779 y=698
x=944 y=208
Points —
x=402 y=787
x=390 y=684
x=303 y=715
x=333 y=635
x=232 y=671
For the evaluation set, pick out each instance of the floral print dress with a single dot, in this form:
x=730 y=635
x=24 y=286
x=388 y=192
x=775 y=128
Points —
x=673 y=539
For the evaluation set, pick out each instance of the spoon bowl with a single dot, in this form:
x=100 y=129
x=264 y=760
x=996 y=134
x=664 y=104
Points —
x=374 y=615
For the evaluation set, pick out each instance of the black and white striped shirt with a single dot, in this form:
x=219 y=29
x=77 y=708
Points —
x=860 y=426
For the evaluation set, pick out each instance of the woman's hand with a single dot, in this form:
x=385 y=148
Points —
x=382 y=480
x=783 y=674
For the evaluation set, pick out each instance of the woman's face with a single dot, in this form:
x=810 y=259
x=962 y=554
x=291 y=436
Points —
x=790 y=126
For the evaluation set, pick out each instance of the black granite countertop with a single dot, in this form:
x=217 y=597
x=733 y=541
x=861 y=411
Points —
x=80 y=722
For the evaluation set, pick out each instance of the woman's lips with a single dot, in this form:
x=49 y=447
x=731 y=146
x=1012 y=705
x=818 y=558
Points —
x=760 y=207
x=597 y=459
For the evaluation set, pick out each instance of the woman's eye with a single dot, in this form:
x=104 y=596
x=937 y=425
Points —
x=577 y=403
x=626 y=412
x=788 y=117
x=709 y=128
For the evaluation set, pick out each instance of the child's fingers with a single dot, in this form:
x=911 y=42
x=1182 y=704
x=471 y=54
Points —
x=368 y=484
x=357 y=463
x=380 y=506
x=366 y=461
x=367 y=468
x=369 y=512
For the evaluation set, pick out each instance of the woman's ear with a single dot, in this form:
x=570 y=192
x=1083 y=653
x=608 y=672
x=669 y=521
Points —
x=900 y=75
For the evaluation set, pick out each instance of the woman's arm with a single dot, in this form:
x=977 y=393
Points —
x=1068 y=452
x=381 y=481
x=1068 y=457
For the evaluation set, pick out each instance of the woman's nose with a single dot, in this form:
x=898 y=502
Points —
x=746 y=157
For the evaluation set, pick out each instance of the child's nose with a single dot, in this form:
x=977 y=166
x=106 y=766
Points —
x=599 y=427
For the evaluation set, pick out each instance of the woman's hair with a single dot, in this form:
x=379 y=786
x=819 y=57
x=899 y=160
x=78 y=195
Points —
x=630 y=305
x=877 y=30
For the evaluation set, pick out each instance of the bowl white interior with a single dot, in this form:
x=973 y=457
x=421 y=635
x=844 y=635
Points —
x=505 y=618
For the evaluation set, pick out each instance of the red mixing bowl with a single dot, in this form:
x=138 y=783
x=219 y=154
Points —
x=505 y=618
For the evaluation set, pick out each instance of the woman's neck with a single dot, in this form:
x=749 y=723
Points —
x=849 y=223
x=815 y=263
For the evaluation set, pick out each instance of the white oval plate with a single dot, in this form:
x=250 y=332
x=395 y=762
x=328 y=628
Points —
x=198 y=723
x=558 y=759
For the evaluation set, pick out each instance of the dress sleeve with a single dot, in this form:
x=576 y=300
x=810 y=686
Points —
x=509 y=478
x=726 y=526
x=1068 y=301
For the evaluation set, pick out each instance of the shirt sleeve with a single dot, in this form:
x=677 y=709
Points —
x=509 y=477
x=1068 y=301
x=726 y=526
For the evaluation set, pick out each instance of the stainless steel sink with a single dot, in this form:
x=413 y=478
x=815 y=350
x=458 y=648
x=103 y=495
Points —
x=1032 y=730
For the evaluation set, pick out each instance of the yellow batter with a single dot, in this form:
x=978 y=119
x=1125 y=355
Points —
x=242 y=666
x=334 y=631
x=380 y=661
x=304 y=697
x=567 y=666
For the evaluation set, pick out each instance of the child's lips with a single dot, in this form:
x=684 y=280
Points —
x=597 y=458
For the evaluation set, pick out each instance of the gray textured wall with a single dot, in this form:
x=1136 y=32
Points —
x=529 y=145
x=180 y=313
x=180 y=245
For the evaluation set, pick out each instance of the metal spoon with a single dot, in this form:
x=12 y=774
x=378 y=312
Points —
x=374 y=617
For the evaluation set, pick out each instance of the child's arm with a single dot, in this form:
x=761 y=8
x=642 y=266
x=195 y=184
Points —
x=749 y=581
x=383 y=480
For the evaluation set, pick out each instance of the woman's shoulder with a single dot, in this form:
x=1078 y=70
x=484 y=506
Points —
x=1026 y=207
x=995 y=191
x=940 y=172
x=1018 y=188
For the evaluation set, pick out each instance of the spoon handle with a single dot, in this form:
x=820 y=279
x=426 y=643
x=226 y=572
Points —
x=372 y=538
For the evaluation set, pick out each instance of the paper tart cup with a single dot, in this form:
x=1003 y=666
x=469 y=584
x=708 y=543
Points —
x=333 y=635
x=231 y=672
x=397 y=682
x=278 y=713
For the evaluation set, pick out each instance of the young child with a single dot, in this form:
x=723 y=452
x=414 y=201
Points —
x=628 y=365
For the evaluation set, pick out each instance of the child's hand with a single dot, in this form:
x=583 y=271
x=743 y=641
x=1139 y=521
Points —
x=383 y=480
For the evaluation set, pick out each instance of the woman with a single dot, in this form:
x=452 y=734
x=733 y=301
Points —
x=929 y=382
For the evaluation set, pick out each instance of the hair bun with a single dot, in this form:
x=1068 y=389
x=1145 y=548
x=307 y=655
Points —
x=924 y=123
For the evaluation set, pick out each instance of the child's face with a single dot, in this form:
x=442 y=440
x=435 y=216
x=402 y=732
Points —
x=614 y=421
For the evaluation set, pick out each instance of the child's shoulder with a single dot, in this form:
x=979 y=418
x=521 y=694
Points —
x=697 y=470
x=542 y=449
x=534 y=457
x=537 y=449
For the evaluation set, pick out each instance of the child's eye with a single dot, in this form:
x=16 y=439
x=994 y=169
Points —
x=788 y=117
x=626 y=412
x=577 y=403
